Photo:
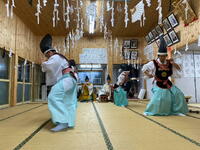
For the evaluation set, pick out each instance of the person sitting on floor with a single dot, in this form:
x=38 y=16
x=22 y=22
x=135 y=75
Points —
x=106 y=93
x=86 y=91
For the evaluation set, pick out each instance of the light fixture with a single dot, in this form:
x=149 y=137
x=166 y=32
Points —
x=89 y=66
x=91 y=12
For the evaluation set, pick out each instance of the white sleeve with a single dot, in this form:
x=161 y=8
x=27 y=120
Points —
x=68 y=84
x=150 y=67
x=46 y=65
x=121 y=78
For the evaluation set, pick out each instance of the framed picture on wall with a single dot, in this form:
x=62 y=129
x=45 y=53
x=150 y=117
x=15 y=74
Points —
x=173 y=21
x=151 y=37
x=167 y=39
x=155 y=33
x=127 y=54
x=134 y=44
x=158 y=42
x=167 y=25
x=147 y=39
x=126 y=44
x=134 y=55
x=159 y=30
x=174 y=37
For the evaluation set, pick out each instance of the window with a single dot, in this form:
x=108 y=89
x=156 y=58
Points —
x=4 y=77
x=95 y=77
x=24 y=84
x=39 y=79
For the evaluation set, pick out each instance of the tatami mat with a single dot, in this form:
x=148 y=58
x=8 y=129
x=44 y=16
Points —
x=129 y=131
x=7 y=112
x=85 y=136
x=14 y=130
x=126 y=130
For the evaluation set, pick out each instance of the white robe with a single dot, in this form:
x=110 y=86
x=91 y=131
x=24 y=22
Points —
x=53 y=68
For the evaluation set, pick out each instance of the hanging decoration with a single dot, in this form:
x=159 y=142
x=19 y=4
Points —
x=108 y=6
x=148 y=3
x=44 y=3
x=186 y=8
x=91 y=13
x=55 y=13
x=187 y=38
x=159 y=8
x=37 y=14
x=139 y=13
x=112 y=15
x=105 y=31
x=11 y=8
x=7 y=8
x=101 y=18
x=116 y=44
x=25 y=62
x=66 y=14
x=33 y=64
x=10 y=52
x=126 y=14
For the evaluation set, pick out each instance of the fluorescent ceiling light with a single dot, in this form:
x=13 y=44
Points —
x=95 y=66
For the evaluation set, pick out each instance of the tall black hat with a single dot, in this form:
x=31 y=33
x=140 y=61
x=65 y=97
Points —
x=108 y=77
x=86 y=78
x=163 y=47
x=46 y=44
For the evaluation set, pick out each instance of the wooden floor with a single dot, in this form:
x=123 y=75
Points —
x=99 y=126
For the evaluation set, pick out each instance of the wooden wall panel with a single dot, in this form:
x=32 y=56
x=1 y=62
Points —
x=7 y=32
x=16 y=35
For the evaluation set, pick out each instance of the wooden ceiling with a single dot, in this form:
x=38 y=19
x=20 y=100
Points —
x=27 y=13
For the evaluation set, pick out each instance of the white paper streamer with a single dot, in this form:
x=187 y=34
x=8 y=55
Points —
x=101 y=18
x=159 y=8
x=7 y=8
x=55 y=13
x=11 y=9
x=116 y=44
x=108 y=6
x=91 y=13
x=37 y=14
x=33 y=64
x=10 y=52
x=139 y=13
x=25 y=62
x=186 y=8
x=112 y=15
x=186 y=47
x=148 y=3
x=126 y=14
x=44 y=3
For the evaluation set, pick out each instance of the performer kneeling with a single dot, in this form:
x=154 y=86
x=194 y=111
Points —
x=167 y=99
x=62 y=99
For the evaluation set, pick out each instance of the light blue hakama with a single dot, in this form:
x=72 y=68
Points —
x=166 y=102
x=120 y=97
x=63 y=104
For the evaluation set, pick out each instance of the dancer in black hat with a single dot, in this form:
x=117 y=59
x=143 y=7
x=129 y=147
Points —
x=167 y=99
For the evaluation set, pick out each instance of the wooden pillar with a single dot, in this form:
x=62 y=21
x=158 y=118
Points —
x=13 y=98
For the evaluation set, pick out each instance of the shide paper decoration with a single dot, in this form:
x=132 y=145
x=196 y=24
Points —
x=139 y=13
x=9 y=8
